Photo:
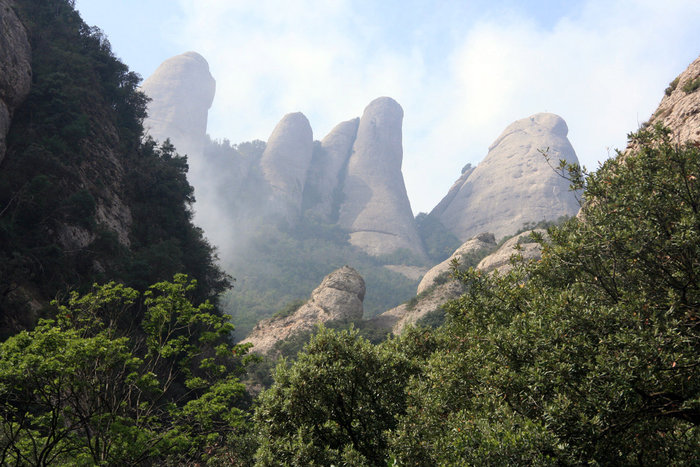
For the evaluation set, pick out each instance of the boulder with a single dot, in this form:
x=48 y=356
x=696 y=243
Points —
x=286 y=161
x=338 y=298
x=15 y=67
x=515 y=183
x=375 y=208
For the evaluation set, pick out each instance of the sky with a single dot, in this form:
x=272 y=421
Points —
x=461 y=70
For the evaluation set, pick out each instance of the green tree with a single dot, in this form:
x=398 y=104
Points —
x=334 y=404
x=84 y=388
x=589 y=355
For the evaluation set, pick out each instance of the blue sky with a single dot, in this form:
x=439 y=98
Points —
x=462 y=70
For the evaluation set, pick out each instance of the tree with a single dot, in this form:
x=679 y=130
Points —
x=589 y=355
x=84 y=388
x=334 y=404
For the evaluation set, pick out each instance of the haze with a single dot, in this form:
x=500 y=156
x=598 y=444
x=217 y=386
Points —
x=462 y=71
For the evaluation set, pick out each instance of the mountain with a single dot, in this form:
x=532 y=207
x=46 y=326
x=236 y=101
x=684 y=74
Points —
x=15 y=67
x=515 y=183
x=83 y=199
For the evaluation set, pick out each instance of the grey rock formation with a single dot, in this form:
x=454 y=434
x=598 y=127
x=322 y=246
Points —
x=376 y=209
x=514 y=184
x=482 y=242
x=433 y=296
x=182 y=91
x=396 y=319
x=522 y=245
x=15 y=67
x=679 y=110
x=324 y=180
x=338 y=298
x=286 y=161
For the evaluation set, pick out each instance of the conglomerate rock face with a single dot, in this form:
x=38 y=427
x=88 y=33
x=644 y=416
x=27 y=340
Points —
x=482 y=242
x=338 y=298
x=432 y=295
x=679 y=110
x=376 y=209
x=15 y=67
x=325 y=177
x=182 y=91
x=515 y=183
x=286 y=161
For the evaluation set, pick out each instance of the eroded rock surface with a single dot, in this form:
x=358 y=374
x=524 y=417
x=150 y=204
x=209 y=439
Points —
x=376 y=209
x=182 y=90
x=433 y=296
x=15 y=67
x=338 y=298
x=679 y=109
x=514 y=184
x=286 y=161
x=325 y=177
x=482 y=242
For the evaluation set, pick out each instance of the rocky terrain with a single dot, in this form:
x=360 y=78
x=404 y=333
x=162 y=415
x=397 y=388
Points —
x=338 y=298
x=679 y=109
x=15 y=67
x=515 y=183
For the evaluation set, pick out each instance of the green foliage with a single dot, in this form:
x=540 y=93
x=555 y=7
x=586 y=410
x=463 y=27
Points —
x=334 y=404
x=82 y=389
x=588 y=356
x=438 y=242
x=282 y=265
x=672 y=86
x=74 y=149
x=691 y=85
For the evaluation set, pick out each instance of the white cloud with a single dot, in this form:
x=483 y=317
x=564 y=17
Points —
x=603 y=70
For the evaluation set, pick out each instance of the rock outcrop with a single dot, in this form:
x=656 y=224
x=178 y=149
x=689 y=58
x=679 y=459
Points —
x=679 y=109
x=432 y=296
x=15 y=67
x=286 y=161
x=182 y=91
x=338 y=298
x=376 y=209
x=481 y=243
x=514 y=184
x=325 y=177
x=521 y=244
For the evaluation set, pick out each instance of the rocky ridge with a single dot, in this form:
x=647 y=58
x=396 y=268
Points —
x=679 y=109
x=15 y=67
x=432 y=294
x=514 y=184
x=338 y=298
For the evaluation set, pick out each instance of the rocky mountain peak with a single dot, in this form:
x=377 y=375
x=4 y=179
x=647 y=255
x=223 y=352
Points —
x=376 y=209
x=286 y=161
x=514 y=184
x=182 y=90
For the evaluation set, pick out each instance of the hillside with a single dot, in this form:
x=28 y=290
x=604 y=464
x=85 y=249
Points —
x=82 y=198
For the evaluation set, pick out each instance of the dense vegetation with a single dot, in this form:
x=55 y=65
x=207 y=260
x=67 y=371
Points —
x=587 y=356
x=75 y=151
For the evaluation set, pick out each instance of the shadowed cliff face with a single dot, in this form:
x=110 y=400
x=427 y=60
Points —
x=15 y=67
x=514 y=184
x=376 y=209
